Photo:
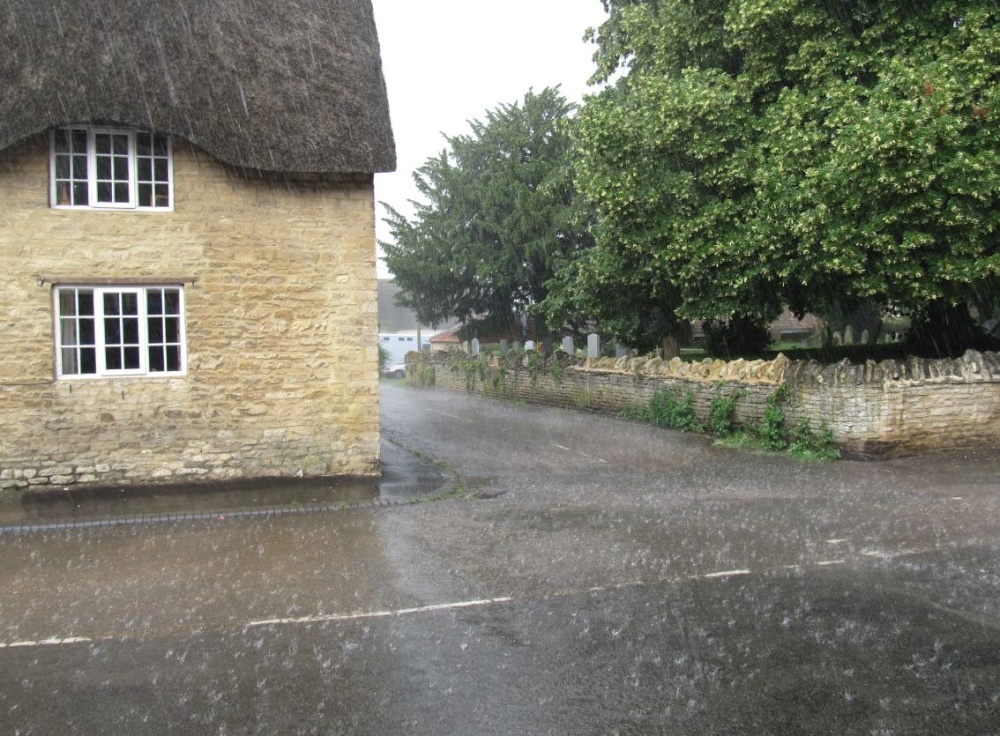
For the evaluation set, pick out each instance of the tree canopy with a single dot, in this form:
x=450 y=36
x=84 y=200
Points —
x=499 y=216
x=752 y=154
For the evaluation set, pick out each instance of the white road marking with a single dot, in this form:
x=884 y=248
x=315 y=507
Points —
x=55 y=641
x=45 y=642
x=377 y=614
x=723 y=574
x=582 y=454
x=452 y=416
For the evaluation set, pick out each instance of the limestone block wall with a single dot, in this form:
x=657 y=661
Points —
x=280 y=321
x=874 y=410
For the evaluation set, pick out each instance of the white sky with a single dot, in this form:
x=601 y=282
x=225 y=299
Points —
x=447 y=62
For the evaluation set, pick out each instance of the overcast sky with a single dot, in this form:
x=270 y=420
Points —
x=449 y=61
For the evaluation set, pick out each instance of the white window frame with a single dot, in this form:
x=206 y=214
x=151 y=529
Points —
x=68 y=332
x=59 y=185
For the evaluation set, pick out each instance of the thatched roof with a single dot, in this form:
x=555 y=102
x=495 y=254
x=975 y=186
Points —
x=275 y=85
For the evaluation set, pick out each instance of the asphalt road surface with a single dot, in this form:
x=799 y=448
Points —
x=587 y=576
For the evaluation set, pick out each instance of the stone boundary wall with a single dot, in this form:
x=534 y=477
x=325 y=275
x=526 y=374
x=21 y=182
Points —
x=874 y=410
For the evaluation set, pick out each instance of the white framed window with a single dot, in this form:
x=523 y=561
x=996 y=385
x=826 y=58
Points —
x=111 y=168
x=119 y=331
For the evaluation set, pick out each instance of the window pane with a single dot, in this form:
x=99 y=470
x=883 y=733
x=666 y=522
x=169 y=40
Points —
x=70 y=363
x=130 y=303
x=63 y=167
x=104 y=192
x=62 y=141
x=88 y=361
x=79 y=167
x=87 y=332
x=81 y=194
x=103 y=167
x=67 y=303
x=112 y=331
x=144 y=170
x=162 y=195
x=173 y=326
x=121 y=168
x=113 y=358
x=157 y=362
x=161 y=169
x=132 y=358
x=68 y=332
x=121 y=192
x=154 y=302
x=143 y=147
x=154 y=327
x=111 y=305
x=102 y=143
x=85 y=302
x=121 y=145
x=131 y=330
x=173 y=301
x=173 y=358
x=160 y=146
x=145 y=193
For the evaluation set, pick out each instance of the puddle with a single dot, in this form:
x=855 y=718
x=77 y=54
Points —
x=404 y=477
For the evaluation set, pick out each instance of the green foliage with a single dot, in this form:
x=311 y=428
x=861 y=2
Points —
x=498 y=379
x=636 y=413
x=383 y=356
x=534 y=362
x=667 y=410
x=808 y=444
x=499 y=215
x=773 y=432
x=423 y=375
x=757 y=153
x=474 y=368
x=556 y=370
x=722 y=412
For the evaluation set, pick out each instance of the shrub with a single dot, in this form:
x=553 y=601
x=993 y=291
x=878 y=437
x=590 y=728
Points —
x=667 y=411
x=809 y=445
x=773 y=433
x=721 y=413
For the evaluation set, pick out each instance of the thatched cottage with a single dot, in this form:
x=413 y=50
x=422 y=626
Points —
x=187 y=249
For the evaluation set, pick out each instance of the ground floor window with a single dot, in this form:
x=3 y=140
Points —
x=119 y=330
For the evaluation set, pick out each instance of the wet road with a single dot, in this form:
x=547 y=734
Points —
x=606 y=578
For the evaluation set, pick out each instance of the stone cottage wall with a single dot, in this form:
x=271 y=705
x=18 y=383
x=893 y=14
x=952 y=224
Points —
x=280 y=321
x=874 y=410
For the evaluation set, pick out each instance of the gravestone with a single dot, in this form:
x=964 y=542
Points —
x=475 y=346
x=567 y=345
x=593 y=345
x=504 y=347
x=529 y=346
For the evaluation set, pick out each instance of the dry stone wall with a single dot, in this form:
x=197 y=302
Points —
x=280 y=319
x=873 y=410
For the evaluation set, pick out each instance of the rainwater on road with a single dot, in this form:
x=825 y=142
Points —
x=582 y=575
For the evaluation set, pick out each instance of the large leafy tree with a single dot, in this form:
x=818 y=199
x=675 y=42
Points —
x=499 y=215
x=816 y=153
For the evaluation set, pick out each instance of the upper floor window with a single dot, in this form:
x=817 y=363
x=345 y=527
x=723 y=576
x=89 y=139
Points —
x=111 y=168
